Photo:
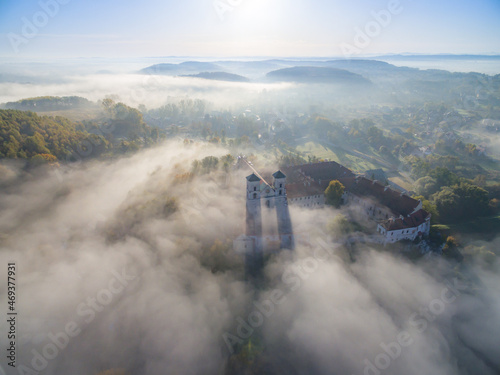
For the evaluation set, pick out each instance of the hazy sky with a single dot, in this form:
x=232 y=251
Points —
x=130 y=28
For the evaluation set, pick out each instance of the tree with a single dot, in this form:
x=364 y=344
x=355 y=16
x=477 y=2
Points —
x=334 y=192
x=36 y=145
x=340 y=225
x=209 y=163
x=479 y=180
x=227 y=161
x=429 y=207
x=450 y=249
x=461 y=202
x=384 y=151
x=426 y=186
x=451 y=243
x=444 y=177
x=40 y=159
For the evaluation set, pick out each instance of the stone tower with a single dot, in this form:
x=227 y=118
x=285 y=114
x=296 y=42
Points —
x=254 y=258
x=285 y=229
x=260 y=192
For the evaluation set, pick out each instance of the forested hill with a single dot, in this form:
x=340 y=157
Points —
x=27 y=135
x=50 y=103
x=312 y=74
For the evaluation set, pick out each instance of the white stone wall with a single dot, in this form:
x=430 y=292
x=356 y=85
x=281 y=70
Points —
x=404 y=234
x=312 y=201
x=373 y=211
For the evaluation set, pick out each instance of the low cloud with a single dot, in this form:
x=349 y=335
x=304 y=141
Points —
x=150 y=300
x=135 y=89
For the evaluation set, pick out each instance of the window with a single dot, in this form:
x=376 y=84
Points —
x=281 y=185
x=254 y=196
x=254 y=188
x=268 y=203
x=280 y=192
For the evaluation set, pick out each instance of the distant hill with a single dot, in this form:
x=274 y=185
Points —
x=355 y=64
x=219 y=76
x=311 y=74
x=49 y=103
x=182 y=68
x=440 y=57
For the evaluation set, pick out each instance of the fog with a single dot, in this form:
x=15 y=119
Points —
x=135 y=89
x=117 y=279
x=95 y=79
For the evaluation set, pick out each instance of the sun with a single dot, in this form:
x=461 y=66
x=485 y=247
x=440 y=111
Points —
x=259 y=15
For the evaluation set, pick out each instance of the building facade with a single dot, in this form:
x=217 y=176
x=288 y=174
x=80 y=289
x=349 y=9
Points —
x=398 y=216
x=260 y=195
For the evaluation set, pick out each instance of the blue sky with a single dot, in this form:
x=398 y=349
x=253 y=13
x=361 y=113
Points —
x=126 y=28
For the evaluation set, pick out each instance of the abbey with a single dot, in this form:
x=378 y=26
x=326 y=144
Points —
x=262 y=196
x=397 y=215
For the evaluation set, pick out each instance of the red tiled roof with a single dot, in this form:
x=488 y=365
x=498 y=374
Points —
x=395 y=201
x=324 y=172
x=300 y=190
x=411 y=221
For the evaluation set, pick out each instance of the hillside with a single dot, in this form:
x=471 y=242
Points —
x=74 y=108
x=49 y=103
x=25 y=135
x=219 y=76
x=309 y=74
x=187 y=67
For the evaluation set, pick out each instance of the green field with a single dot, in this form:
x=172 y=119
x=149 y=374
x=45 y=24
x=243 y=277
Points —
x=74 y=114
x=356 y=161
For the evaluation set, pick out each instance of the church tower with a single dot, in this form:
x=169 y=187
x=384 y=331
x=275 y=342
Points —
x=254 y=258
x=285 y=229
x=253 y=244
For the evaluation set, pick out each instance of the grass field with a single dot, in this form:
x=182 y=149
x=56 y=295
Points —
x=315 y=149
x=403 y=182
x=73 y=114
x=347 y=159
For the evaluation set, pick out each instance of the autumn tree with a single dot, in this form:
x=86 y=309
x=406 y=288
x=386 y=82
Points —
x=334 y=192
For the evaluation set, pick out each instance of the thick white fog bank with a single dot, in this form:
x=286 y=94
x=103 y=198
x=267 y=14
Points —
x=118 y=267
x=146 y=293
x=134 y=89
